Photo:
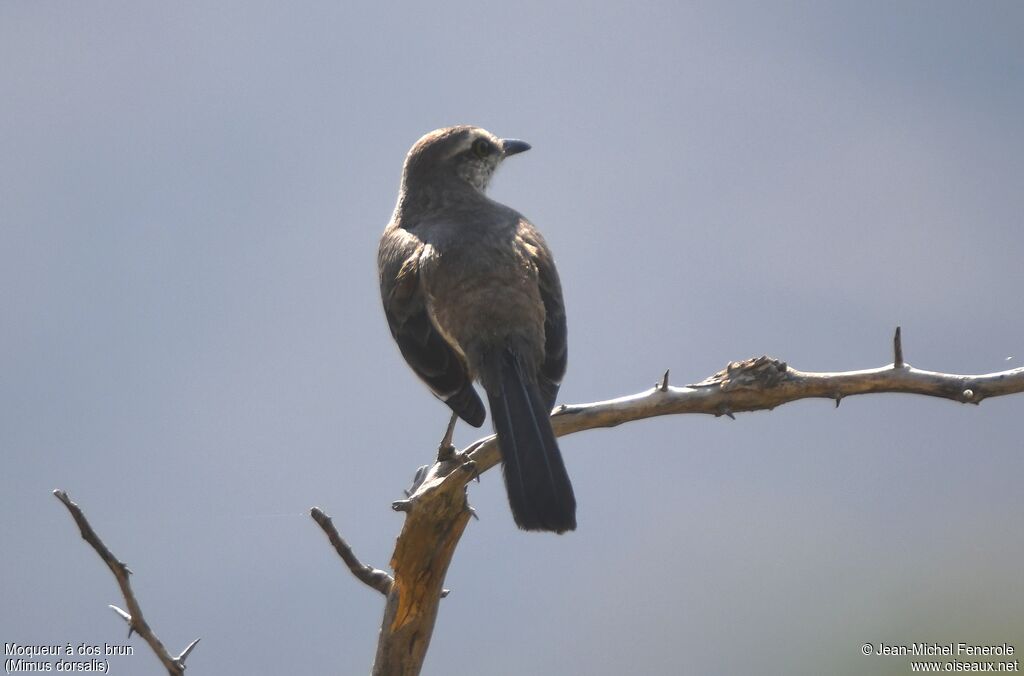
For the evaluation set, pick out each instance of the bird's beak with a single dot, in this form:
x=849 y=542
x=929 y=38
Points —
x=511 y=146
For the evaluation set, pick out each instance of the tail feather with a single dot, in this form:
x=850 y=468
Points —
x=539 y=490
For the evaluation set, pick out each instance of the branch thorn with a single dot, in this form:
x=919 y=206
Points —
x=724 y=410
x=664 y=382
x=185 y=653
x=897 y=348
x=838 y=397
x=126 y=617
x=402 y=505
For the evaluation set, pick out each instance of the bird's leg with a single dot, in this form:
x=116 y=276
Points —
x=445 y=450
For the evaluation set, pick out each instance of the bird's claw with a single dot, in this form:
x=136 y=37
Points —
x=446 y=452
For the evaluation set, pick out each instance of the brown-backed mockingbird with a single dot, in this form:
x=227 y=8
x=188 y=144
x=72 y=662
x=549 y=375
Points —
x=471 y=292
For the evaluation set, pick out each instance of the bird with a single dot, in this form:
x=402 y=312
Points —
x=471 y=293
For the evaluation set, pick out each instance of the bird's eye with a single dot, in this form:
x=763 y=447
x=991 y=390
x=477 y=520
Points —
x=482 y=147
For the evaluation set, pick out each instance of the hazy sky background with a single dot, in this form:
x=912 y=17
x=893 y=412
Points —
x=192 y=345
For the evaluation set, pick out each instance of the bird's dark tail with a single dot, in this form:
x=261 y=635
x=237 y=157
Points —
x=539 y=490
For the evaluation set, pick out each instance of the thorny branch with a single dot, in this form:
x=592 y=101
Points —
x=368 y=575
x=133 y=616
x=437 y=509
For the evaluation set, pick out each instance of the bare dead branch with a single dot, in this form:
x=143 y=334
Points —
x=434 y=523
x=133 y=616
x=437 y=509
x=764 y=383
x=368 y=575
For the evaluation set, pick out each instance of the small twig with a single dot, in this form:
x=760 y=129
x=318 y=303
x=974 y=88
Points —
x=187 y=650
x=368 y=575
x=133 y=616
x=897 y=348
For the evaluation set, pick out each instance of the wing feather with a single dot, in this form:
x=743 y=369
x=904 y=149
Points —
x=436 y=362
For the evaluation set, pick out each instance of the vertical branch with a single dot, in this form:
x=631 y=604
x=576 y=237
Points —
x=422 y=555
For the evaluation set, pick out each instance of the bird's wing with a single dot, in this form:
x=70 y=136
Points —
x=422 y=345
x=555 y=346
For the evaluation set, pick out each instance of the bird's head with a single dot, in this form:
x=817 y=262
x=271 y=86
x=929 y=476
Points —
x=458 y=155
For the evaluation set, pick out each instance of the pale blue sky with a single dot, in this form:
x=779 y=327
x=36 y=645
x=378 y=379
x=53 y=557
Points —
x=191 y=342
